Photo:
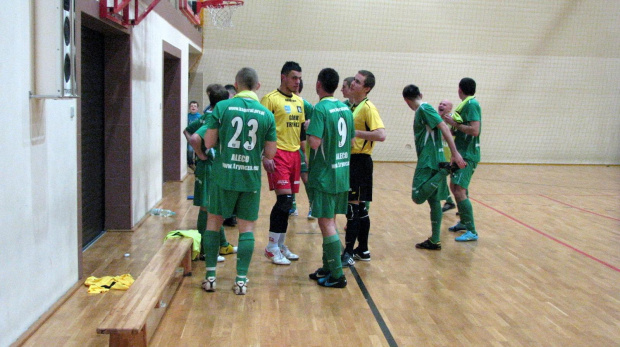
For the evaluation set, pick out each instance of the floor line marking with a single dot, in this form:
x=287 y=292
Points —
x=579 y=208
x=548 y=236
x=371 y=304
x=375 y=311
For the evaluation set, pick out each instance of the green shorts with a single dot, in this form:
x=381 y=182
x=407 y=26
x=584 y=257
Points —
x=304 y=167
x=327 y=205
x=463 y=176
x=424 y=174
x=202 y=173
x=226 y=202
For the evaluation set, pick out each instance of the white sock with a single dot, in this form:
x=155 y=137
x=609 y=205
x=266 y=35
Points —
x=274 y=239
x=281 y=240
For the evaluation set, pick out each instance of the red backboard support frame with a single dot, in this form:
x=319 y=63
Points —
x=119 y=13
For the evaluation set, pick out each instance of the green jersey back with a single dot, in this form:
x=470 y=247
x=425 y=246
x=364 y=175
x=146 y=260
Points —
x=193 y=128
x=427 y=137
x=332 y=122
x=308 y=109
x=243 y=127
x=467 y=145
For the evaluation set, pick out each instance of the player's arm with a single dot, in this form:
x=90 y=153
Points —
x=315 y=142
x=302 y=138
x=196 y=141
x=472 y=129
x=456 y=156
x=211 y=138
x=270 y=150
x=187 y=135
x=373 y=135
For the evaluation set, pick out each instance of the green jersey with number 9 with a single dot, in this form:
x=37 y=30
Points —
x=243 y=127
x=332 y=122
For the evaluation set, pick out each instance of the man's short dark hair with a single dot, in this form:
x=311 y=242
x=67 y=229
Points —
x=290 y=66
x=468 y=86
x=231 y=87
x=193 y=102
x=216 y=93
x=348 y=80
x=247 y=77
x=329 y=79
x=370 y=79
x=411 y=92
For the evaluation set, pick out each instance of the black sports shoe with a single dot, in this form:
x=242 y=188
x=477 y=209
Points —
x=448 y=206
x=318 y=274
x=457 y=227
x=450 y=167
x=428 y=244
x=347 y=259
x=359 y=255
x=230 y=221
x=331 y=282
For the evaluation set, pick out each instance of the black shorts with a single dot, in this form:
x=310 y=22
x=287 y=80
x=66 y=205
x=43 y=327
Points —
x=360 y=177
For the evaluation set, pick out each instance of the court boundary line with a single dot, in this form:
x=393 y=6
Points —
x=373 y=308
x=579 y=208
x=548 y=236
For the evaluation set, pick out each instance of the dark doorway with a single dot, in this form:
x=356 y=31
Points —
x=171 y=150
x=92 y=130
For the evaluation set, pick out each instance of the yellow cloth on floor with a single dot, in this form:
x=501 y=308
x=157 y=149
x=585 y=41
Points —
x=194 y=234
x=103 y=284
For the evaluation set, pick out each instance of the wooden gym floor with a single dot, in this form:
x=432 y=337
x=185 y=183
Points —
x=545 y=272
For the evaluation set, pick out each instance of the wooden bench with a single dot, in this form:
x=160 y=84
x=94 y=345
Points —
x=134 y=318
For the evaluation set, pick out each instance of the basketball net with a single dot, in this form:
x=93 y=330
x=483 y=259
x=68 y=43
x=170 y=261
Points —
x=221 y=14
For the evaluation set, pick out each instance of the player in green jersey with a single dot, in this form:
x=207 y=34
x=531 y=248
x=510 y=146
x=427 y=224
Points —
x=431 y=170
x=445 y=108
x=242 y=131
x=302 y=153
x=202 y=173
x=346 y=90
x=467 y=140
x=330 y=134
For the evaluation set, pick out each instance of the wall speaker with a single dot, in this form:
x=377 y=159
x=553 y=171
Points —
x=55 y=51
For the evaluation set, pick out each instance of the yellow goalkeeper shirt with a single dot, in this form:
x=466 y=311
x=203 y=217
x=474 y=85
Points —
x=288 y=111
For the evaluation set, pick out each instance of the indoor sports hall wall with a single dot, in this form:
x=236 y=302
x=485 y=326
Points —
x=548 y=72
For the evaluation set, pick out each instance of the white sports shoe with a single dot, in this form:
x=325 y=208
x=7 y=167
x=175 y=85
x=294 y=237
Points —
x=277 y=257
x=208 y=284
x=287 y=253
x=240 y=287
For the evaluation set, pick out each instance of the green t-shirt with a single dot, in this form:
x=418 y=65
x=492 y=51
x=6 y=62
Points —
x=469 y=146
x=308 y=108
x=427 y=137
x=243 y=127
x=193 y=127
x=332 y=122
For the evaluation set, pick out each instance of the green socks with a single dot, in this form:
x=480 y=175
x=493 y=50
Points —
x=331 y=254
x=210 y=245
x=436 y=216
x=223 y=242
x=201 y=225
x=466 y=212
x=244 y=255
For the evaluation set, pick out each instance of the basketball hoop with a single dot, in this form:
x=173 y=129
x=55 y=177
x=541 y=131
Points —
x=221 y=12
